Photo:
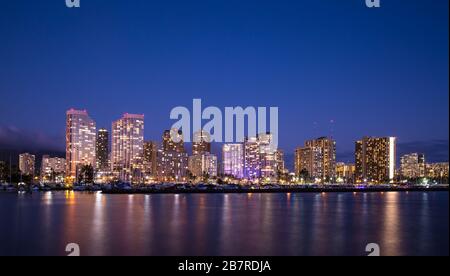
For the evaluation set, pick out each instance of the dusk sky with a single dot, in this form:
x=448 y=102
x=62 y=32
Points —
x=373 y=72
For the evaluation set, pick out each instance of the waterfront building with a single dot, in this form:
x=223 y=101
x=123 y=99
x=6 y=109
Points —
x=27 y=164
x=80 y=141
x=412 y=166
x=345 y=173
x=175 y=143
x=201 y=165
x=438 y=171
x=102 y=150
x=252 y=158
x=201 y=143
x=309 y=163
x=327 y=148
x=233 y=160
x=316 y=160
x=172 y=159
x=150 y=159
x=375 y=159
x=53 y=169
x=268 y=162
x=128 y=148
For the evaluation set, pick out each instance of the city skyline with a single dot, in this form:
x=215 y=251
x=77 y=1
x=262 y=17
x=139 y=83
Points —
x=248 y=60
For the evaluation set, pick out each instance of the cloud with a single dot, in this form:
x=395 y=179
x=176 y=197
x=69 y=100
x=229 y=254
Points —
x=13 y=138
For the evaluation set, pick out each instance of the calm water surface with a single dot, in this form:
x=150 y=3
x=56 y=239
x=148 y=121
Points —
x=413 y=223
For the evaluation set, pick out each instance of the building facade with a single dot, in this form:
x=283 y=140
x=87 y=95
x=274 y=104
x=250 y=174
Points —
x=102 y=150
x=412 y=166
x=53 y=169
x=375 y=160
x=201 y=165
x=345 y=173
x=27 y=164
x=80 y=142
x=150 y=159
x=233 y=160
x=128 y=148
x=201 y=143
x=172 y=159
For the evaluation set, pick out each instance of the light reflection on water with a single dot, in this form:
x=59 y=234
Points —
x=414 y=223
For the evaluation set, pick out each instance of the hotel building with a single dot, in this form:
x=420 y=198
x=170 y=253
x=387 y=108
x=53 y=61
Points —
x=375 y=159
x=252 y=158
x=233 y=160
x=128 y=148
x=413 y=165
x=172 y=159
x=53 y=169
x=203 y=164
x=345 y=172
x=317 y=158
x=102 y=150
x=150 y=159
x=201 y=143
x=27 y=164
x=80 y=141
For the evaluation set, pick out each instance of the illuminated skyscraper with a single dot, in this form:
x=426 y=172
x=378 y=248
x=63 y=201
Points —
x=128 y=148
x=412 y=165
x=172 y=160
x=233 y=160
x=279 y=160
x=53 y=169
x=102 y=149
x=27 y=164
x=375 y=159
x=267 y=155
x=201 y=143
x=203 y=164
x=173 y=145
x=252 y=158
x=80 y=141
x=150 y=158
x=309 y=162
x=438 y=171
x=327 y=148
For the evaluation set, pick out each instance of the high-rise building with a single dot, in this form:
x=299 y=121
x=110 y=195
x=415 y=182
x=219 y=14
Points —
x=150 y=158
x=438 y=171
x=27 y=164
x=279 y=160
x=80 y=141
x=309 y=162
x=345 y=172
x=175 y=143
x=128 y=148
x=203 y=165
x=268 y=165
x=172 y=159
x=252 y=158
x=327 y=148
x=201 y=143
x=233 y=160
x=375 y=159
x=53 y=169
x=317 y=159
x=102 y=150
x=412 y=165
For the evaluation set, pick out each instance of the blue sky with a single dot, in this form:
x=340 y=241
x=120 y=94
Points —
x=371 y=71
